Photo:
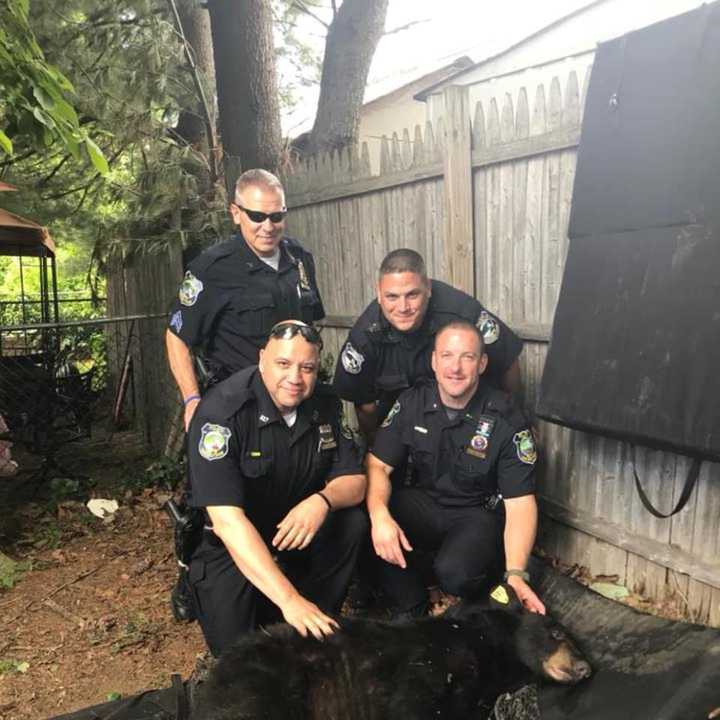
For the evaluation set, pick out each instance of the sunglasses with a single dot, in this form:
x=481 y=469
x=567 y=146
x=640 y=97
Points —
x=260 y=217
x=288 y=329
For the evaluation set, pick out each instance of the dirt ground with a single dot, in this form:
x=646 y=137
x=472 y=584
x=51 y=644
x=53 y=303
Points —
x=89 y=618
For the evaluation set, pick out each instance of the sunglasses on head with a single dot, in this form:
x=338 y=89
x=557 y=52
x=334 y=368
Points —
x=288 y=329
x=260 y=217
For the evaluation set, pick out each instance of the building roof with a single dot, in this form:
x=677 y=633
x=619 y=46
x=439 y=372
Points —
x=429 y=89
x=19 y=236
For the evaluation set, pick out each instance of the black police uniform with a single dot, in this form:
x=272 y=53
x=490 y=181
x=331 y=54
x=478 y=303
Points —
x=229 y=299
x=241 y=453
x=378 y=362
x=463 y=467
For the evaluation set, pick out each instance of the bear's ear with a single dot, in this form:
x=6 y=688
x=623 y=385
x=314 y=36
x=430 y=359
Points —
x=503 y=596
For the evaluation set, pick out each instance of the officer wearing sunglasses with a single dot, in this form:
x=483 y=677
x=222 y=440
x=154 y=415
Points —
x=234 y=292
x=279 y=481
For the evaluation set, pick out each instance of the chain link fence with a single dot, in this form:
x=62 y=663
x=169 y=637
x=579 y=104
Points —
x=71 y=382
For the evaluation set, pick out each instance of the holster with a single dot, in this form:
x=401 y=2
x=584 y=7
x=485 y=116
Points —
x=188 y=528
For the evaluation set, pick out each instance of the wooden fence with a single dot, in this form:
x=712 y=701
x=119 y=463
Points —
x=485 y=197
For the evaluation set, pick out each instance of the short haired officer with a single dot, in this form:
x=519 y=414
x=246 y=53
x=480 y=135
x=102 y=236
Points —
x=388 y=349
x=279 y=481
x=470 y=447
x=234 y=292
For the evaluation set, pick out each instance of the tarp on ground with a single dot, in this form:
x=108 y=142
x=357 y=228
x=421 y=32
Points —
x=645 y=667
x=635 y=347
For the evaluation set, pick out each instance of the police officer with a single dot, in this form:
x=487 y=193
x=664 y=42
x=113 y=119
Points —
x=234 y=292
x=278 y=479
x=472 y=450
x=389 y=347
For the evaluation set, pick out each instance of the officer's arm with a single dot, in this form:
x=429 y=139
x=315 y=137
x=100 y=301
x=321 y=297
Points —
x=512 y=381
x=345 y=491
x=368 y=420
x=387 y=536
x=520 y=530
x=255 y=562
x=181 y=366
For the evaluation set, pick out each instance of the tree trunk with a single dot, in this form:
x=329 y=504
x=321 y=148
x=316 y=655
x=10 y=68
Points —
x=197 y=126
x=349 y=48
x=246 y=85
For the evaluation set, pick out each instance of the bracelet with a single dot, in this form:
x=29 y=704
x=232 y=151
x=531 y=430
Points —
x=324 y=497
x=524 y=574
x=190 y=398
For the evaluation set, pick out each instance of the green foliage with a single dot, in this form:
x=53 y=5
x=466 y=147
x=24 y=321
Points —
x=8 y=667
x=164 y=473
x=10 y=573
x=35 y=105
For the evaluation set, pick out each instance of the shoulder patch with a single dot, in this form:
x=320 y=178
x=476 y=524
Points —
x=525 y=447
x=190 y=289
x=394 y=410
x=176 y=320
x=346 y=430
x=489 y=327
x=214 y=441
x=352 y=359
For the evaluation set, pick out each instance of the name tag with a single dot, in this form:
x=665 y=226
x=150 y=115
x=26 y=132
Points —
x=422 y=430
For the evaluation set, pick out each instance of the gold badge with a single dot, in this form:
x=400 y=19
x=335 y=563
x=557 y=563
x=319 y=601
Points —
x=499 y=594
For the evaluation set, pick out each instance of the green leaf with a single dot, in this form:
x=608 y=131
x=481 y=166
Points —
x=6 y=143
x=113 y=696
x=44 y=98
x=96 y=157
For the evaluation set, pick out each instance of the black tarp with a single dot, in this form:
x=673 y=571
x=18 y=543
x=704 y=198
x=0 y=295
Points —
x=645 y=668
x=635 y=348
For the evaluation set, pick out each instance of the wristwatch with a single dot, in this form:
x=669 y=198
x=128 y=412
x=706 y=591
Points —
x=524 y=574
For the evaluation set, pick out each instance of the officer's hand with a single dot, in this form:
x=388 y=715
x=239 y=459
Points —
x=189 y=412
x=297 y=529
x=526 y=595
x=306 y=617
x=387 y=538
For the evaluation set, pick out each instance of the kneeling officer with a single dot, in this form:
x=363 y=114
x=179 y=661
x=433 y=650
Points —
x=471 y=449
x=278 y=479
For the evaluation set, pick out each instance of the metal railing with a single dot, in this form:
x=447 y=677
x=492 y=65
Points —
x=65 y=382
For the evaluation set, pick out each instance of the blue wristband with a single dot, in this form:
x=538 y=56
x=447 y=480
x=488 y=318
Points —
x=190 y=398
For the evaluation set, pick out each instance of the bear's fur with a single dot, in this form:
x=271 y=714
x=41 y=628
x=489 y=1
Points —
x=453 y=666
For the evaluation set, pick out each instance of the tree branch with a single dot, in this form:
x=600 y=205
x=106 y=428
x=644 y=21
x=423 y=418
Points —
x=300 y=5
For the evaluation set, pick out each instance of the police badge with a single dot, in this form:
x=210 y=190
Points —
x=488 y=327
x=352 y=360
x=525 y=446
x=214 y=441
x=394 y=410
x=190 y=288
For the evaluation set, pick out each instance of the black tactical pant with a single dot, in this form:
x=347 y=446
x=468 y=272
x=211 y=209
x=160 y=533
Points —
x=228 y=605
x=464 y=545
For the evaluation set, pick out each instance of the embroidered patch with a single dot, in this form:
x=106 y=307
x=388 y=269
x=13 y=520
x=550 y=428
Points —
x=176 y=320
x=394 y=410
x=525 y=446
x=352 y=360
x=488 y=327
x=214 y=441
x=499 y=594
x=346 y=431
x=190 y=288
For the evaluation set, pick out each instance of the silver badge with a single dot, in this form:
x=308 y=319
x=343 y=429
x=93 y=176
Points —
x=394 y=410
x=352 y=360
x=190 y=288
x=488 y=327
x=214 y=441
x=176 y=321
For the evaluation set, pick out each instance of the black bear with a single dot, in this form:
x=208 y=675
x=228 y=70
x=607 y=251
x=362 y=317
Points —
x=452 y=666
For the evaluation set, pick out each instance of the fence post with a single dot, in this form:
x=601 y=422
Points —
x=458 y=249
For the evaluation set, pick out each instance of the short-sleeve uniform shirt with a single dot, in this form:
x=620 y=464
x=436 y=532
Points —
x=486 y=449
x=229 y=300
x=377 y=361
x=242 y=453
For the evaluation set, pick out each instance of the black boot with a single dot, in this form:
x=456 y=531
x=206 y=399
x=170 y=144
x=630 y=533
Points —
x=181 y=600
